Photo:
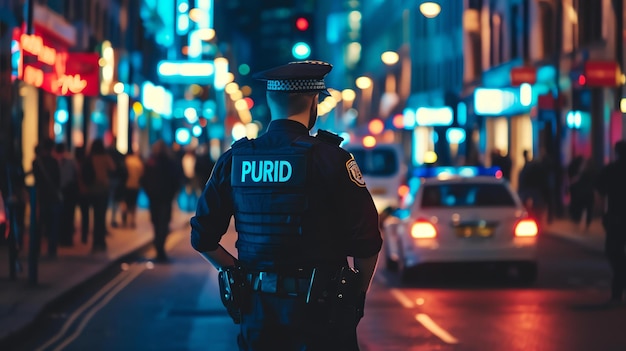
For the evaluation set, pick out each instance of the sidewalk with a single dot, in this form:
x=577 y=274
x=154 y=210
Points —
x=21 y=302
x=592 y=238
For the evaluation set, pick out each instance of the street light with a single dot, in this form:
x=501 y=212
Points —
x=363 y=82
x=430 y=9
x=366 y=85
x=389 y=58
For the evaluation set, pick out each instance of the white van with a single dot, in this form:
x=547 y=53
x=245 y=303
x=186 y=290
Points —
x=384 y=171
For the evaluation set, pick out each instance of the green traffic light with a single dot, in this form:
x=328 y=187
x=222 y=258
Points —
x=301 y=50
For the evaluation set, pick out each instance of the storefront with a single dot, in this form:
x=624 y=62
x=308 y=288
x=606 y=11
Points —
x=52 y=82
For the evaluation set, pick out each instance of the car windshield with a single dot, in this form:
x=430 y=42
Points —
x=464 y=195
x=376 y=162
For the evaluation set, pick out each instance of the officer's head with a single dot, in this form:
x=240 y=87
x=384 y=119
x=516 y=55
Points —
x=293 y=89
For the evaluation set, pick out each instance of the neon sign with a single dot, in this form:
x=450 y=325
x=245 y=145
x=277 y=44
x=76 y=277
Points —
x=55 y=70
x=33 y=44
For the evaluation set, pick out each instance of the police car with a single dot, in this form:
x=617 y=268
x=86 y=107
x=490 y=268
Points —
x=383 y=170
x=458 y=215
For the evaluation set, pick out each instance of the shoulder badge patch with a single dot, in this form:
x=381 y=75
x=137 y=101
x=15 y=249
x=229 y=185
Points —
x=355 y=173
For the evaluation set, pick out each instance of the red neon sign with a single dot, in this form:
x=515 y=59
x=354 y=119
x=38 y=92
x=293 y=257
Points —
x=46 y=64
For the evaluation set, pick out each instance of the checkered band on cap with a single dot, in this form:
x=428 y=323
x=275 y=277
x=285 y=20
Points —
x=296 y=85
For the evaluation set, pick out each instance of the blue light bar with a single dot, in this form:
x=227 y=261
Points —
x=463 y=171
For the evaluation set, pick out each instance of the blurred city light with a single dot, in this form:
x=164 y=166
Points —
x=430 y=157
x=369 y=141
x=238 y=131
x=302 y=24
x=574 y=119
x=455 y=135
x=301 y=50
x=244 y=69
x=492 y=101
x=221 y=72
x=430 y=9
x=461 y=113
x=439 y=116
x=206 y=34
x=389 y=58
x=183 y=137
x=409 y=118
x=398 y=121
x=526 y=94
x=376 y=126
x=363 y=82
x=348 y=95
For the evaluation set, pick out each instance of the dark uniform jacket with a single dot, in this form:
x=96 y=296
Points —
x=339 y=219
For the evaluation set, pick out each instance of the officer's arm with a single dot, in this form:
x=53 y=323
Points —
x=219 y=257
x=366 y=268
x=212 y=218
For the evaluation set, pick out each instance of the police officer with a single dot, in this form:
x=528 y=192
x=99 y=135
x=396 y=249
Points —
x=610 y=184
x=301 y=208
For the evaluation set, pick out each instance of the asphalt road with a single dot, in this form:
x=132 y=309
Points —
x=175 y=306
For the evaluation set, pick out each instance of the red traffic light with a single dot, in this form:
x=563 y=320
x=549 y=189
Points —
x=302 y=24
x=582 y=80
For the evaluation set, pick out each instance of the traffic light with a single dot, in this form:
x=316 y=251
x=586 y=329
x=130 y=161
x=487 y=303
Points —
x=302 y=23
x=303 y=39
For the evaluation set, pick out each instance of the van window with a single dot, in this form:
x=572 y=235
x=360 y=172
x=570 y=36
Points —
x=376 y=162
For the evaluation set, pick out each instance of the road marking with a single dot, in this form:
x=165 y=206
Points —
x=403 y=299
x=424 y=319
x=127 y=280
x=429 y=324
x=109 y=288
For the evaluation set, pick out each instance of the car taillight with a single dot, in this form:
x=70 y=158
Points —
x=526 y=227
x=423 y=229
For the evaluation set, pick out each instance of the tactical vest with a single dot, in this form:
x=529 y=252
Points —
x=271 y=194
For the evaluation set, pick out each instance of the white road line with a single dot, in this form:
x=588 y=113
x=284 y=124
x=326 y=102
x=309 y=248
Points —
x=429 y=324
x=403 y=299
x=105 y=289
x=128 y=279
x=424 y=319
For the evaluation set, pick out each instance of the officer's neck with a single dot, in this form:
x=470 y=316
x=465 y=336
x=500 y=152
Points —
x=302 y=118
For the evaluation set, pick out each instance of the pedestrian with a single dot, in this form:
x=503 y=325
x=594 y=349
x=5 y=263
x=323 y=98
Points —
x=203 y=167
x=69 y=189
x=300 y=208
x=49 y=194
x=611 y=186
x=161 y=180
x=101 y=165
x=530 y=189
x=582 y=193
x=84 y=196
x=189 y=195
x=117 y=181
x=502 y=161
x=134 y=167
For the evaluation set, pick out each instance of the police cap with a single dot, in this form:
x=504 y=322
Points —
x=294 y=77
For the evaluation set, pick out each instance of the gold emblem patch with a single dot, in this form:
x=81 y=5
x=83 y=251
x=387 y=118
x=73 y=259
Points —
x=355 y=173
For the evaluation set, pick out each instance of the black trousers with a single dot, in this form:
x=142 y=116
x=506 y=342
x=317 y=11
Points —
x=160 y=216
x=615 y=246
x=288 y=323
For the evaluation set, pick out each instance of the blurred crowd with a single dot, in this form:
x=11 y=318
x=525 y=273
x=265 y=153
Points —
x=101 y=186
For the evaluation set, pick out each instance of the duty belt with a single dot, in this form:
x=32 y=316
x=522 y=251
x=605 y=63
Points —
x=274 y=283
